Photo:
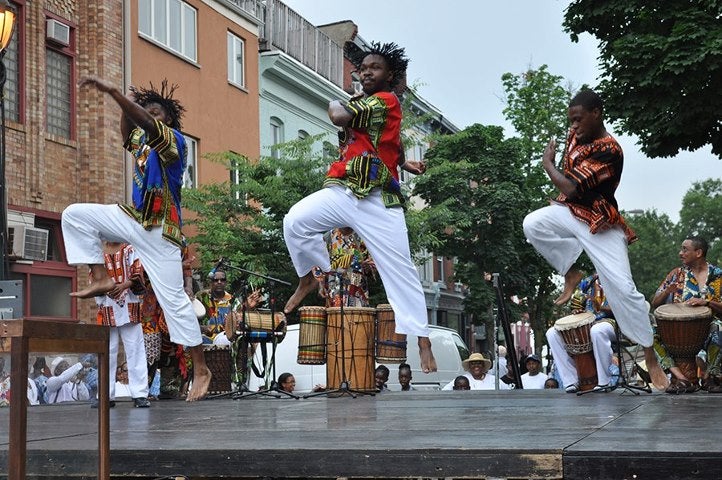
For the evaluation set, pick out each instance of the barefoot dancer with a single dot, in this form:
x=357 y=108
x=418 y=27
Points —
x=585 y=217
x=150 y=125
x=362 y=192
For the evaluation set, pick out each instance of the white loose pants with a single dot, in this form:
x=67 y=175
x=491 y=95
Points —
x=602 y=336
x=560 y=238
x=384 y=232
x=85 y=225
x=134 y=346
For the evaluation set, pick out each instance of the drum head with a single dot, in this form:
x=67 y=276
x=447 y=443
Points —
x=681 y=311
x=574 y=321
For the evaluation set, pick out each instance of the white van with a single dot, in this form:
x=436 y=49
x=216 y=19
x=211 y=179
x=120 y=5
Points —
x=448 y=347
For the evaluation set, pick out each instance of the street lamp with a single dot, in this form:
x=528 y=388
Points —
x=7 y=25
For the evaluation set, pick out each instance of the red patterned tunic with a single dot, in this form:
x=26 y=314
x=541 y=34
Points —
x=596 y=169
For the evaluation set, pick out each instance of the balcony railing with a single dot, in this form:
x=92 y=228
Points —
x=251 y=7
x=286 y=30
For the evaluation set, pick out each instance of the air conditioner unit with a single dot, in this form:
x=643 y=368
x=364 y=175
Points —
x=57 y=32
x=28 y=243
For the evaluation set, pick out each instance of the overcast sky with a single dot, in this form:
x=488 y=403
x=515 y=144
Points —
x=459 y=49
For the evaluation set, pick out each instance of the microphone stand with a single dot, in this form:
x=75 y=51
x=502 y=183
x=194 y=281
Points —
x=344 y=388
x=272 y=390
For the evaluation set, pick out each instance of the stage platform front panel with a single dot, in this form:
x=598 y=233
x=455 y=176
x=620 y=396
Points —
x=511 y=434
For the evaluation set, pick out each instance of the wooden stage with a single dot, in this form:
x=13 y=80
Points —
x=473 y=434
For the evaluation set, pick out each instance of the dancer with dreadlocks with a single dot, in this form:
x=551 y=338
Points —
x=150 y=125
x=362 y=191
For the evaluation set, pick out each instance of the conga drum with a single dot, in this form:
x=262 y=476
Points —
x=683 y=329
x=350 y=353
x=218 y=360
x=312 y=336
x=576 y=331
x=390 y=347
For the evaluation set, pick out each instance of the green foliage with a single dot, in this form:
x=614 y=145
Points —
x=656 y=251
x=476 y=200
x=701 y=215
x=244 y=222
x=661 y=68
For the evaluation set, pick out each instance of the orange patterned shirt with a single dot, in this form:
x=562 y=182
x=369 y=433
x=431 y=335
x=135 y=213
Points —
x=596 y=169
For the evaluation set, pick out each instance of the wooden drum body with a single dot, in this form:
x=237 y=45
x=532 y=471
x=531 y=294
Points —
x=218 y=359
x=353 y=351
x=576 y=332
x=312 y=336
x=260 y=325
x=390 y=346
x=683 y=330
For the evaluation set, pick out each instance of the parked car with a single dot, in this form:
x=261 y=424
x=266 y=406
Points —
x=448 y=347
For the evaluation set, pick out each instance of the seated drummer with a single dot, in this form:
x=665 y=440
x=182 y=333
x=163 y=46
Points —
x=217 y=302
x=588 y=297
x=696 y=283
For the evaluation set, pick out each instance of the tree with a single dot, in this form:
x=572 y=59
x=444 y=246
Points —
x=243 y=221
x=661 y=69
x=656 y=251
x=701 y=215
x=536 y=105
x=475 y=202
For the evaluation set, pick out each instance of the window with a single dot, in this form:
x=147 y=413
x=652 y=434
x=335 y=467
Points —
x=12 y=83
x=190 y=175
x=235 y=60
x=276 y=136
x=441 y=274
x=171 y=23
x=303 y=134
x=46 y=284
x=59 y=84
x=425 y=268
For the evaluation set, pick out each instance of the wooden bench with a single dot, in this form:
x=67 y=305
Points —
x=21 y=336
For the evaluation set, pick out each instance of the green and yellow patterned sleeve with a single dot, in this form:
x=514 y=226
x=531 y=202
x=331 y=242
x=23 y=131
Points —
x=165 y=144
x=367 y=111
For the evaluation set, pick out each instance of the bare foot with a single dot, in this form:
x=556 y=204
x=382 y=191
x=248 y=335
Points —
x=571 y=280
x=97 y=288
x=428 y=362
x=306 y=284
x=201 y=382
x=659 y=378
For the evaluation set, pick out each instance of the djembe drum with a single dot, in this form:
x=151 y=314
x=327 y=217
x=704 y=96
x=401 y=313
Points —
x=576 y=331
x=390 y=346
x=350 y=353
x=312 y=336
x=683 y=329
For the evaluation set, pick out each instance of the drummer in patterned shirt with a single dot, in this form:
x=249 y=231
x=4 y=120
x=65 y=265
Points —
x=696 y=283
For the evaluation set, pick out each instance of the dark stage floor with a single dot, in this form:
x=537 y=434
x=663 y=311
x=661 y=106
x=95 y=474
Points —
x=483 y=435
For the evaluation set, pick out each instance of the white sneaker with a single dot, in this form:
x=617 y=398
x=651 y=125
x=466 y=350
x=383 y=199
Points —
x=573 y=388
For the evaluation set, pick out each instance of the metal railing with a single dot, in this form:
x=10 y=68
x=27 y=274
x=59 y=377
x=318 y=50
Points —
x=289 y=32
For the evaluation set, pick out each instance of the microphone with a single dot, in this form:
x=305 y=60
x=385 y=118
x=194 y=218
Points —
x=215 y=268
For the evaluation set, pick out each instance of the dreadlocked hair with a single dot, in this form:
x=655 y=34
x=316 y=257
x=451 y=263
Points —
x=164 y=98
x=395 y=57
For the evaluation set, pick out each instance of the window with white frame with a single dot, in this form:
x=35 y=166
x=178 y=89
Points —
x=276 y=136
x=236 y=62
x=425 y=269
x=171 y=23
x=190 y=175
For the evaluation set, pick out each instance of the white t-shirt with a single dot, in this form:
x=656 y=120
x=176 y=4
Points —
x=486 y=384
x=531 y=382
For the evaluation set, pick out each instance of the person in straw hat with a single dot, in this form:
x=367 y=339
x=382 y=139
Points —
x=477 y=371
